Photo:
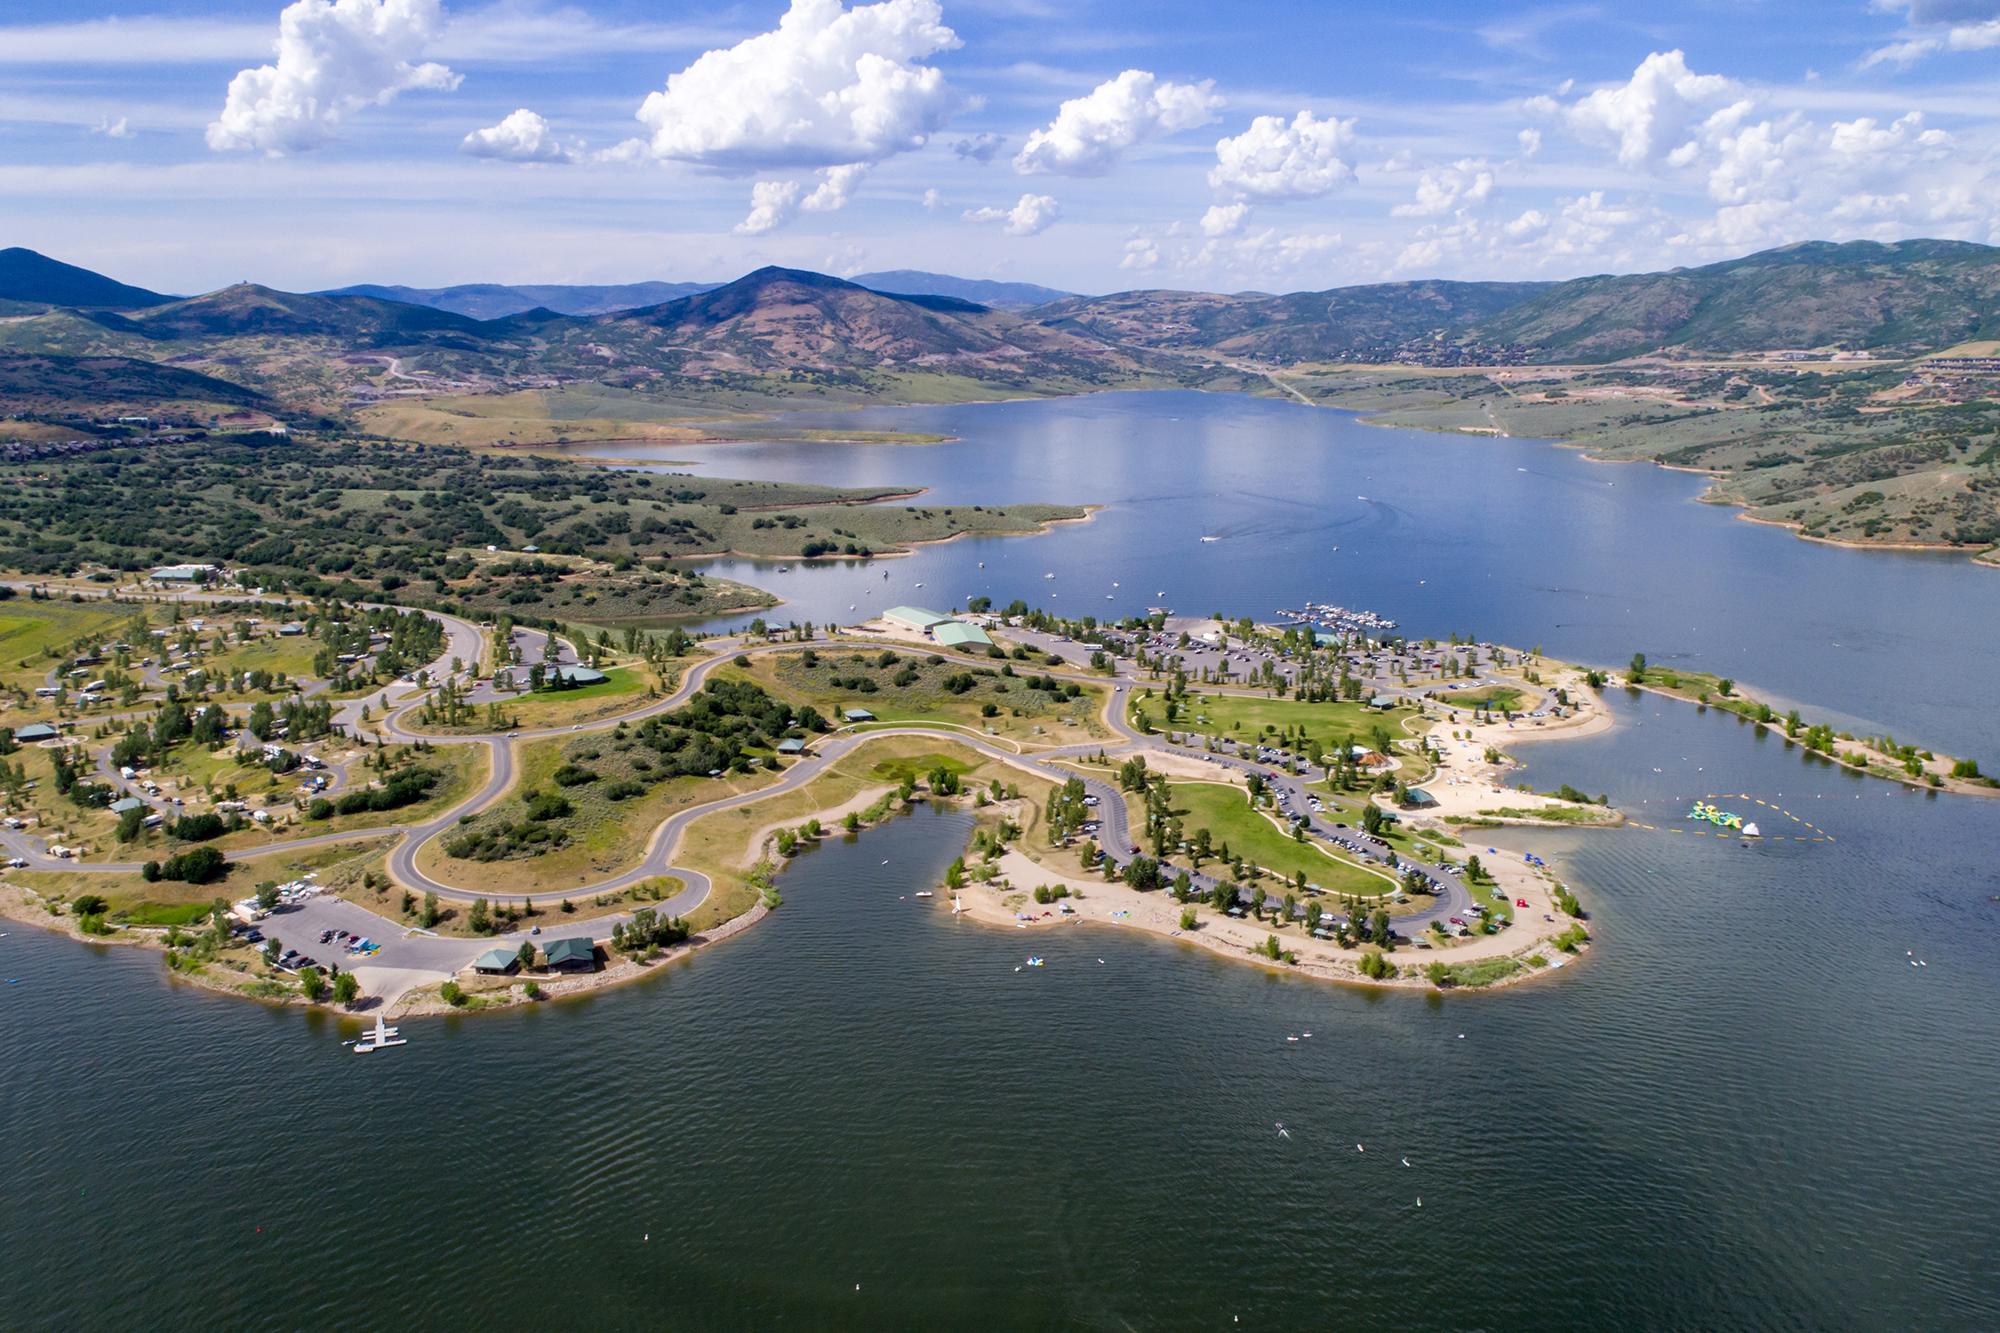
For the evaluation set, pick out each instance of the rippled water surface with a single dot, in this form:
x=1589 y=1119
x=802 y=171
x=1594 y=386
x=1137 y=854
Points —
x=1746 y=1109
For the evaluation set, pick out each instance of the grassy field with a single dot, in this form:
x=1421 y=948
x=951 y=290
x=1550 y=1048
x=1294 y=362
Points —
x=1224 y=810
x=34 y=634
x=1029 y=716
x=527 y=418
x=1246 y=717
x=1500 y=698
x=166 y=902
x=598 y=839
x=624 y=689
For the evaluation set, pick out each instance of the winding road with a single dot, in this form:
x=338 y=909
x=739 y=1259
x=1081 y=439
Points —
x=394 y=703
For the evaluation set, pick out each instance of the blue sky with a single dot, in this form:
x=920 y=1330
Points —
x=1081 y=143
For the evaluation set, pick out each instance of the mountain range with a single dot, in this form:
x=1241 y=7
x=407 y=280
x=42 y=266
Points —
x=769 y=328
x=493 y=300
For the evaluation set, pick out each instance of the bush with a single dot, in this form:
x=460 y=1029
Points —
x=452 y=994
x=406 y=788
x=321 y=808
x=547 y=805
x=346 y=990
x=573 y=775
x=88 y=904
x=199 y=865
x=1377 y=967
x=197 y=828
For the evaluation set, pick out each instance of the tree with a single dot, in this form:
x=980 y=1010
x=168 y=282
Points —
x=312 y=984
x=431 y=914
x=1636 y=673
x=1187 y=918
x=526 y=955
x=346 y=990
x=1474 y=871
x=452 y=994
x=1371 y=819
x=130 y=822
x=481 y=918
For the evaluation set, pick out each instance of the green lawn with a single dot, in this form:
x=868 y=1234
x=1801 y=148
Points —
x=1225 y=812
x=1021 y=712
x=1245 y=717
x=918 y=767
x=1500 y=698
x=29 y=629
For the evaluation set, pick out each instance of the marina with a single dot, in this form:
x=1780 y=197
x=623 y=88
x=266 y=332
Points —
x=1340 y=621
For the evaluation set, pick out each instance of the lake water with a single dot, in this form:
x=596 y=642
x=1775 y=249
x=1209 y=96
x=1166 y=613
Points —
x=1748 y=1108
x=1513 y=540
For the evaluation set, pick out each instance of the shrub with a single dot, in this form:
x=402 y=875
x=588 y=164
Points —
x=452 y=994
x=198 y=865
x=197 y=828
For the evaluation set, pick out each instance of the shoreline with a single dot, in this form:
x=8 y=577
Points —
x=1986 y=556
x=906 y=548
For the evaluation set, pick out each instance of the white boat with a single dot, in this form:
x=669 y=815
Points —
x=1751 y=831
x=1211 y=539
x=1049 y=575
x=925 y=893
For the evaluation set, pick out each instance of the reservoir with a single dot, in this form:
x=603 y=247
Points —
x=1745 y=1109
x=1765 y=1100
x=1508 y=539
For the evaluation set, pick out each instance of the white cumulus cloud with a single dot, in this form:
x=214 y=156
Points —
x=772 y=205
x=1466 y=183
x=1090 y=133
x=1031 y=216
x=1652 y=115
x=836 y=186
x=1141 y=253
x=831 y=86
x=1224 y=219
x=334 y=57
x=523 y=136
x=1276 y=159
x=113 y=129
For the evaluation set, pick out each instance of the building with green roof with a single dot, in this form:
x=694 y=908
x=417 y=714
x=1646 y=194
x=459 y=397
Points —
x=497 y=962
x=574 y=954
x=958 y=634
x=914 y=617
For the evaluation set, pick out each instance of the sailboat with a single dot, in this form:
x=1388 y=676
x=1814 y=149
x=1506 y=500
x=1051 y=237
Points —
x=382 y=1036
x=957 y=904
